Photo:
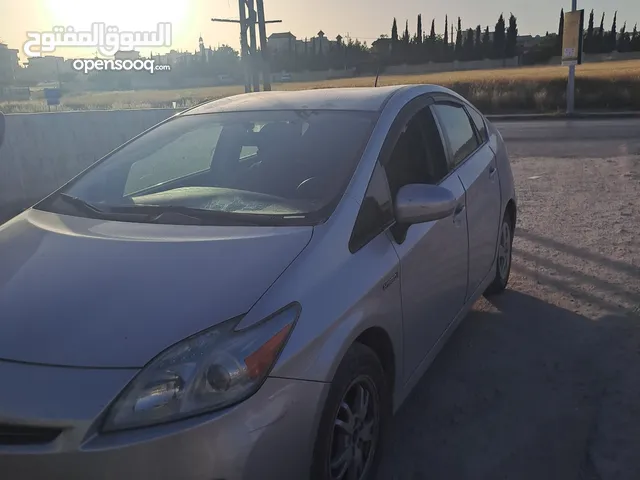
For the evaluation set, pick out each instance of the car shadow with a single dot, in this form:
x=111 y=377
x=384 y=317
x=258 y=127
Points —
x=517 y=393
x=578 y=251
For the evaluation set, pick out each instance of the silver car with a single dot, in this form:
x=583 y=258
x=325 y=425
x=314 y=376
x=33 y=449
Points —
x=250 y=289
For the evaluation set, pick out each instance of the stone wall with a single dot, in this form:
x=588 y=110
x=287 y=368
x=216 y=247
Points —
x=433 y=67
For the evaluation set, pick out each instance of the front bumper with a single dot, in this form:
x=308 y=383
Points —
x=269 y=435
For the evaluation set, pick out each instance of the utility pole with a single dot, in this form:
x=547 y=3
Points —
x=571 y=84
x=262 y=30
x=253 y=47
x=248 y=47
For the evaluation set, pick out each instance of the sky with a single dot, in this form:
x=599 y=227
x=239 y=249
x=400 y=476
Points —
x=363 y=19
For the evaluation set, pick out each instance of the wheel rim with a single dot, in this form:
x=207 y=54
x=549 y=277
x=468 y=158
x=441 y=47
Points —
x=356 y=427
x=504 y=250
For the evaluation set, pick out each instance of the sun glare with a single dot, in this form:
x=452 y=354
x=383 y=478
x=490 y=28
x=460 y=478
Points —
x=125 y=14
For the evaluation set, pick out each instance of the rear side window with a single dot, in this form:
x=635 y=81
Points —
x=458 y=131
x=481 y=126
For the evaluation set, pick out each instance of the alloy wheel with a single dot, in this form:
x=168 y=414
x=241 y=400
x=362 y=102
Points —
x=504 y=250
x=355 y=431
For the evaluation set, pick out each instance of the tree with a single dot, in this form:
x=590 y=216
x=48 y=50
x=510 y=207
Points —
x=613 y=34
x=432 y=34
x=560 y=29
x=624 y=39
x=600 y=38
x=405 y=34
x=419 y=31
x=511 y=47
x=499 y=38
x=446 y=32
x=478 y=53
x=486 y=43
x=394 y=32
x=459 y=51
x=588 y=39
x=635 y=39
x=467 y=49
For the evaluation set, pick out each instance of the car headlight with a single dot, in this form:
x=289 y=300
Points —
x=208 y=371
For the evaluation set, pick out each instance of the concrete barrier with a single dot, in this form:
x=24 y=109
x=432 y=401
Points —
x=42 y=151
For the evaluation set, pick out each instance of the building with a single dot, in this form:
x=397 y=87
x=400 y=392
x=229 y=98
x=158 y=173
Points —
x=46 y=69
x=281 y=42
x=299 y=46
x=529 y=41
x=381 y=46
x=127 y=55
x=174 y=58
x=322 y=43
x=8 y=64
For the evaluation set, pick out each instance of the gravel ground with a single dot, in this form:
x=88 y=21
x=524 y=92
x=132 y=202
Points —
x=543 y=382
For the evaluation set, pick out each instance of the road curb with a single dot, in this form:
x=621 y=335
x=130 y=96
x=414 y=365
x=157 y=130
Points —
x=561 y=116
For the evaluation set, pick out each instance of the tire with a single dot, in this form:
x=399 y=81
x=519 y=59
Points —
x=504 y=257
x=360 y=371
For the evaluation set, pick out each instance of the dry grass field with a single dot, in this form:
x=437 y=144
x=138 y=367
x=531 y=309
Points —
x=605 y=85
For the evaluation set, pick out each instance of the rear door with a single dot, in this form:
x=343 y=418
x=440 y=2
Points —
x=474 y=162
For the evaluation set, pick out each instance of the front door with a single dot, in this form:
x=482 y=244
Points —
x=433 y=255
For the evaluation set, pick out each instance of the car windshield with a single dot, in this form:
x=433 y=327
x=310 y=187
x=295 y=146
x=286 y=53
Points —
x=263 y=167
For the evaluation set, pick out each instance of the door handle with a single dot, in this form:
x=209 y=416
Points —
x=492 y=171
x=457 y=219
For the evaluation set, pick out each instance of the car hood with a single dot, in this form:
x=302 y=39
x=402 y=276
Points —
x=89 y=293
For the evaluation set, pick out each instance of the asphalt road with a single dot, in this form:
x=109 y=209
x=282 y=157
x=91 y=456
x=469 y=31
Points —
x=572 y=138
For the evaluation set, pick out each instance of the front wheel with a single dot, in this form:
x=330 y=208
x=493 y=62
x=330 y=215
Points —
x=353 y=420
x=503 y=263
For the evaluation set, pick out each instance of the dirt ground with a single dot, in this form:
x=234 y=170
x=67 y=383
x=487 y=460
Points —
x=542 y=382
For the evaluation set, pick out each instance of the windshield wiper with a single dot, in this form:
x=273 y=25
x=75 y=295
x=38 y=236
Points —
x=79 y=203
x=92 y=210
x=171 y=214
x=174 y=214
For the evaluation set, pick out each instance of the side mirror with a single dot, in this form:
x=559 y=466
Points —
x=419 y=203
x=2 y=128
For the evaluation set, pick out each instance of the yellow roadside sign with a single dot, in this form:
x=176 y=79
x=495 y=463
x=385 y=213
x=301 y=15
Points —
x=572 y=37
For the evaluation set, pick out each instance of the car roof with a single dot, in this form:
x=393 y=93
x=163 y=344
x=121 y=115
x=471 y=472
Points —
x=370 y=99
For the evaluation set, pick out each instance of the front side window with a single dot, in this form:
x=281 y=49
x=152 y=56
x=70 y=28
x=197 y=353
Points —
x=408 y=162
x=418 y=156
x=284 y=165
x=458 y=130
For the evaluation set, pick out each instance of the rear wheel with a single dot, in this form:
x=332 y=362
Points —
x=355 y=415
x=503 y=262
